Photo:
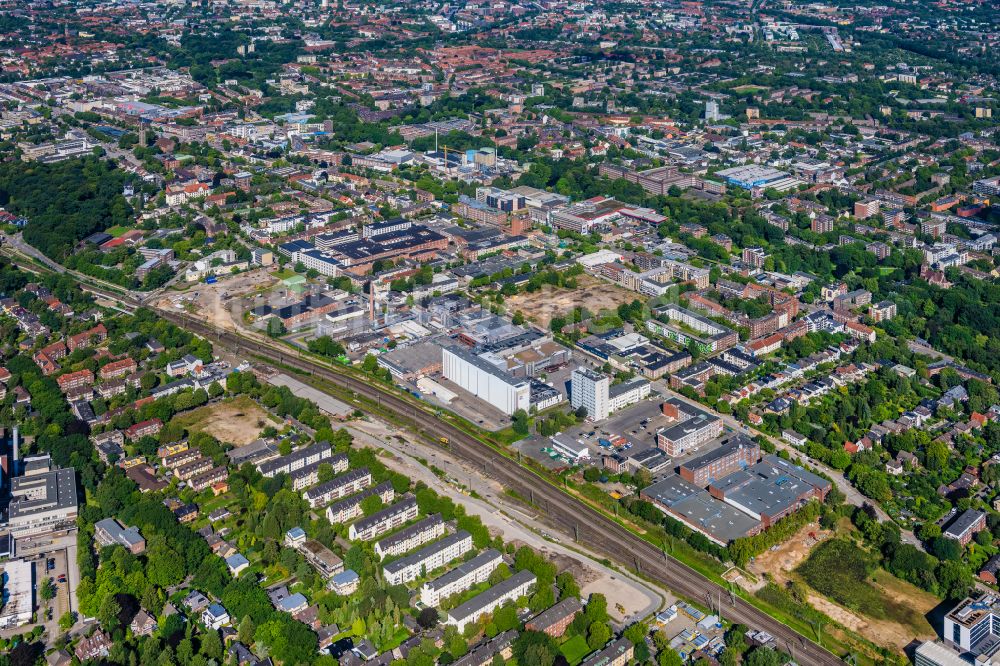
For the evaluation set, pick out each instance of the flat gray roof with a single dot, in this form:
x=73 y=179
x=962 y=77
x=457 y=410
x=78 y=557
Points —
x=473 y=605
x=427 y=552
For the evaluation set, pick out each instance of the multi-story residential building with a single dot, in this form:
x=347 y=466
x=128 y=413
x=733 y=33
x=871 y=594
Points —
x=685 y=327
x=616 y=653
x=461 y=578
x=346 y=484
x=109 y=532
x=326 y=562
x=180 y=458
x=143 y=428
x=515 y=587
x=965 y=526
x=485 y=652
x=690 y=428
x=308 y=455
x=865 y=209
x=207 y=479
x=754 y=256
x=193 y=468
x=125 y=366
x=350 y=508
x=882 y=311
x=410 y=537
x=88 y=338
x=591 y=390
x=556 y=619
x=75 y=380
x=383 y=521
x=428 y=558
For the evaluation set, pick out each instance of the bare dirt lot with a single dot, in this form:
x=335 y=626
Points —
x=592 y=293
x=216 y=303
x=781 y=563
x=237 y=421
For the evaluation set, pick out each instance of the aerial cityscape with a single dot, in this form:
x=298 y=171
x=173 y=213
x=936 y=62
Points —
x=524 y=332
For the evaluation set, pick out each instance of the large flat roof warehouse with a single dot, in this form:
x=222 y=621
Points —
x=752 y=175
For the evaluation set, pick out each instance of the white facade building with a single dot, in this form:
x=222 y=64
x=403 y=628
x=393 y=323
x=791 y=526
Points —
x=429 y=558
x=461 y=578
x=485 y=380
x=589 y=389
x=511 y=589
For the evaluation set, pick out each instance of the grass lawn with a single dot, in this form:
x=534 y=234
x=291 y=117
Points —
x=284 y=273
x=117 y=231
x=575 y=649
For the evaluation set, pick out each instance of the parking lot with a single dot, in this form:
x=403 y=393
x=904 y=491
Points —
x=47 y=613
x=637 y=424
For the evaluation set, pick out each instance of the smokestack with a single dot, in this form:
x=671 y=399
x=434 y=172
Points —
x=15 y=454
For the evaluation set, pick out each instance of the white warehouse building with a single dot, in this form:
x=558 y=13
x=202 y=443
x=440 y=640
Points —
x=485 y=380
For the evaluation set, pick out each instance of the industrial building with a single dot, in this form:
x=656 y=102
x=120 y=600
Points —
x=18 y=594
x=43 y=499
x=485 y=380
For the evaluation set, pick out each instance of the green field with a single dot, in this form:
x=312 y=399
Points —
x=575 y=649
x=842 y=571
x=117 y=231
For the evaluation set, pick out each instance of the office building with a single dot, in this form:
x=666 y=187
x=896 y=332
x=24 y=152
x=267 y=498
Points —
x=690 y=428
x=428 y=558
x=109 y=532
x=735 y=454
x=461 y=578
x=42 y=500
x=973 y=626
x=486 y=381
x=931 y=653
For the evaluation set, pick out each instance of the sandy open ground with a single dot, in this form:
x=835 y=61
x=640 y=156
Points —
x=237 y=421
x=781 y=563
x=548 y=302
x=216 y=303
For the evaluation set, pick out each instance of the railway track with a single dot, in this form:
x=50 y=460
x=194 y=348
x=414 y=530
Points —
x=590 y=528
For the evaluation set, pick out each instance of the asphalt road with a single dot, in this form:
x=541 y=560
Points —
x=591 y=528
